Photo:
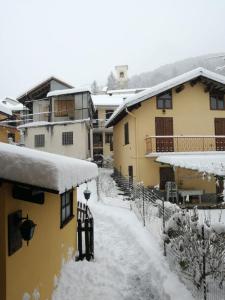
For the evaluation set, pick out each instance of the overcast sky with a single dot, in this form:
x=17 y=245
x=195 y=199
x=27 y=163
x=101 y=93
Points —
x=80 y=41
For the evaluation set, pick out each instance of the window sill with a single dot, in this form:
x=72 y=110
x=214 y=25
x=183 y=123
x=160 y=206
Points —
x=66 y=221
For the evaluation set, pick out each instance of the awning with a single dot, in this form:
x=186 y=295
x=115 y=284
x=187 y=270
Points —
x=206 y=163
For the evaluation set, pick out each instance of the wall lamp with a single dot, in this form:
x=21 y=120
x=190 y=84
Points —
x=27 y=228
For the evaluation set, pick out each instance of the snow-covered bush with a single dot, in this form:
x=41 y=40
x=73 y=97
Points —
x=106 y=183
x=108 y=161
x=197 y=249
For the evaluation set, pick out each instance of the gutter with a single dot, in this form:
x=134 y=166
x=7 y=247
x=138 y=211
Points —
x=136 y=148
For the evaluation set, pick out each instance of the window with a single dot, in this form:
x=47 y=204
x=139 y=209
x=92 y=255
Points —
x=97 y=140
x=121 y=74
x=164 y=101
x=108 y=138
x=64 y=106
x=108 y=114
x=95 y=119
x=217 y=100
x=126 y=134
x=39 y=140
x=66 y=208
x=67 y=138
x=12 y=136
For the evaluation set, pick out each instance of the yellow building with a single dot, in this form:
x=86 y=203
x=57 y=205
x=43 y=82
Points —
x=38 y=219
x=10 y=110
x=184 y=115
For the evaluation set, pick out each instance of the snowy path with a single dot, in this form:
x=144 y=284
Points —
x=128 y=262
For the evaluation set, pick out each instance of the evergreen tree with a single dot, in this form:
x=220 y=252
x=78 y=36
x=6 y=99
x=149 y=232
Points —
x=112 y=82
x=94 y=87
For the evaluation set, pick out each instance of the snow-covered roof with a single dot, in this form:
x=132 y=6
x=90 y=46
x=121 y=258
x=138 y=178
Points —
x=43 y=82
x=125 y=91
x=45 y=123
x=68 y=91
x=204 y=162
x=45 y=170
x=107 y=100
x=12 y=104
x=4 y=109
x=164 y=86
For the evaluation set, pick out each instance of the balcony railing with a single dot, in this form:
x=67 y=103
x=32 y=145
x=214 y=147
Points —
x=185 y=143
x=99 y=123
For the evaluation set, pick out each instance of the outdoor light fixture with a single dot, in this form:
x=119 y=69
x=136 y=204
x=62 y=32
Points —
x=87 y=194
x=27 y=229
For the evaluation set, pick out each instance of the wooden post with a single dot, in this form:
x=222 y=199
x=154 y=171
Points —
x=92 y=237
x=87 y=242
x=79 y=230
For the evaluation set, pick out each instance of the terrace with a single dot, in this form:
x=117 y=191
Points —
x=184 y=143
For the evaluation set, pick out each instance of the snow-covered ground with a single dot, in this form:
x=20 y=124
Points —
x=128 y=263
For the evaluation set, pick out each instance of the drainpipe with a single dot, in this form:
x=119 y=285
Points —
x=136 y=148
x=91 y=143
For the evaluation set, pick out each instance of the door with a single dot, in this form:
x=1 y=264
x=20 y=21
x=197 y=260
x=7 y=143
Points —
x=130 y=173
x=220 y=130
x=219 y=188
x=164 y=126
x=166 y=174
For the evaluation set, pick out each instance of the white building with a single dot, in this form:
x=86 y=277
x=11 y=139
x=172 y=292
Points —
x=62 y=123
x=70 y=138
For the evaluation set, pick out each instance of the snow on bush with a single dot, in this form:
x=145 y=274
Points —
x=107 y=184
x=188 y=242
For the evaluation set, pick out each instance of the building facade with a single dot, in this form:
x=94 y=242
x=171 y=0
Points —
x=70 y=138
x=38 y=219
x=183 y=115
x=62 y=123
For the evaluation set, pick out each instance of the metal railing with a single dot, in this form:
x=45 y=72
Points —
x=184 y=143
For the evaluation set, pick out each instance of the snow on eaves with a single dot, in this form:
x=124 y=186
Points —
x=68 y=92
x=44 y=170
x=206 y=163
x=45 y=123
x=164 y=86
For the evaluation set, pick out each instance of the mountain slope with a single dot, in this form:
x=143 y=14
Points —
x=209 y=61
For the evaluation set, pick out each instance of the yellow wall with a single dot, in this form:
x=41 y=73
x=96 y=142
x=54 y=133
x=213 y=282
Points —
x=35 y=266
x=4 y=130
x=191 y=116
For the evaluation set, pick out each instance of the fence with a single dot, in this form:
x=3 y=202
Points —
x=85 y=232
x=196 y=252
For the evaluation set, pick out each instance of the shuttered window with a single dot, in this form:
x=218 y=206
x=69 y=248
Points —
x=64 y=108
x=66 y=207
x=126 y=134
x=67 y=138
x=39 y=140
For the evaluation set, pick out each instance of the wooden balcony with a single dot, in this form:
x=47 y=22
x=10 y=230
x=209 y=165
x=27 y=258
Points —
x=156 y=144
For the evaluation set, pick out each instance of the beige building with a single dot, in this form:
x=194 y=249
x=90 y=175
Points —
x=184 y=115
